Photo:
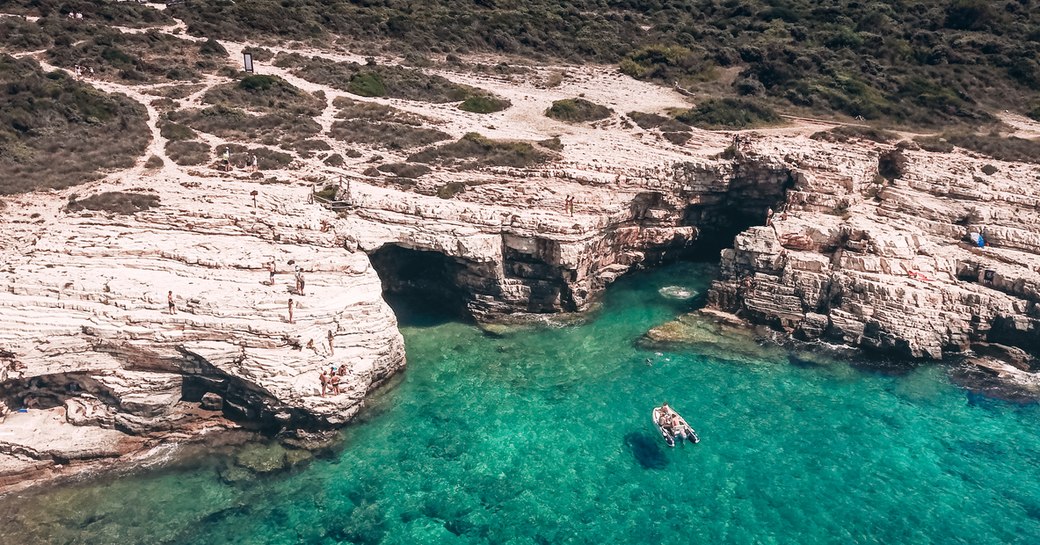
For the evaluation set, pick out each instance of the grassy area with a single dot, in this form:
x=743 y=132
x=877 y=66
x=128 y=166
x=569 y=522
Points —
x=188 y=153
x=577 y=110
x=56 y=132
x=484 y=104
x=373 y=80
x=405 y=170
x=381 y=126
x=655 y=121
x=908 y=62
x=115 y=202
x=845 y=133
x=128 y=14
x=276 y=128
x=474 y=151
x=729 y=113
x=150 y=57
x=264 y=93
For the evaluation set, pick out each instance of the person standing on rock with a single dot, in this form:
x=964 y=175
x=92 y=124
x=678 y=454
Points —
x=272 y=271
x=324 y=379
x=227 y=159
x=332 y=351
x=334 y=379
x=169 y=302
x=252 y=160
x=290 y=311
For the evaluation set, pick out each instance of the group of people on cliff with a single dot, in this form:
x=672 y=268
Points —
x=330 y=380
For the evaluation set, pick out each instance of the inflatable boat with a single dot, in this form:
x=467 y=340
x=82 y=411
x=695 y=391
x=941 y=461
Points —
x=685 y=431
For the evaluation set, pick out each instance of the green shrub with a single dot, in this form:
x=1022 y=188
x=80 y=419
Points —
x=474 y=151
x=188 y=153
x=847 y=57
x=450 y=190
x=665 y=63
x=405 y=170
x=367 y=84
x=258 y=82
x=213 y=48
x=176 y=131
x=577 y=110
x=844 y=133
x=552 y=143
x=729 y=113
x=655 y=121
x=484 y=104
x=381 y=126
x=153 y=162
x=115 y=202
x=56 y=132
x=1034 y=113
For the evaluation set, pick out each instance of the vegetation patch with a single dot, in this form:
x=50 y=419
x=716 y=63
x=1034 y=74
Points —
x=655 y=121
x=1034 y=114
x=188 y=153
x=474 y=151
x=128 y=14
x=372 y=80
x=405 y=170
x=450 y=190
x=266 y=159
x=1010 y=148
x=175 y=131
x=577 y=110
x=264 y=93
x=845 y=133
x=846 y=56
x=271 y=129
x=729 y=113
x=115 y=202
x=552 y=143
x=667 y=64
x=484 y=104
x=149 y=57
x=381 y=126
x=56 y=132
x=153 y=163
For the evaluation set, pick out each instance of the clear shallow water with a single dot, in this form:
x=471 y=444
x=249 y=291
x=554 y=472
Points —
x=544 y=436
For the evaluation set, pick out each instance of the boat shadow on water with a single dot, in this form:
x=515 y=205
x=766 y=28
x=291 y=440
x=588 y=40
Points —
x=646 y=449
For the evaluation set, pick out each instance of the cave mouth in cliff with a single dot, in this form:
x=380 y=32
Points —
x=420 y=285
x=718 y=228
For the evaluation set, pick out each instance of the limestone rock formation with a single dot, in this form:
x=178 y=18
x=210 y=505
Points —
x=890 y=265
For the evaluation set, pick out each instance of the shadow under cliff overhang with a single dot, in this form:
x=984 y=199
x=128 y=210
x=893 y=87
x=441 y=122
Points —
x=422 y=287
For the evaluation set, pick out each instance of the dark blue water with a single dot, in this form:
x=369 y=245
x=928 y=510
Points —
x=544 y=436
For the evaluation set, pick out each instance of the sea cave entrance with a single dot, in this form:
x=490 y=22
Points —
x=421 y=286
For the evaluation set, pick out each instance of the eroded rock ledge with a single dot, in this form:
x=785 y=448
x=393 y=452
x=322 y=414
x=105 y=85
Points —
x=888 y=265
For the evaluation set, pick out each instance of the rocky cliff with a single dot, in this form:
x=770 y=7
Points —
x=889 y=264
x=825 y=248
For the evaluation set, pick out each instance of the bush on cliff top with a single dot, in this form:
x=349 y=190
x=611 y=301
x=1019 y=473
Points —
x=577 y=110
x=729 y=113
x=56 y=132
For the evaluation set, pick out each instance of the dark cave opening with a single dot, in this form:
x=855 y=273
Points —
x=422 y=287
x=747 y=203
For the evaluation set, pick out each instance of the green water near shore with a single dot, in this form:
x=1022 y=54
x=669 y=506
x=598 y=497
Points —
x=544 y=436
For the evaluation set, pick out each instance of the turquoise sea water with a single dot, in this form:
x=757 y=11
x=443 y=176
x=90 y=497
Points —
x=543 y=436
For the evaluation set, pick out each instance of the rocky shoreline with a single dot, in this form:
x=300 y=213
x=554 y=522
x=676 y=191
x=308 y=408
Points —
x=829 y=246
